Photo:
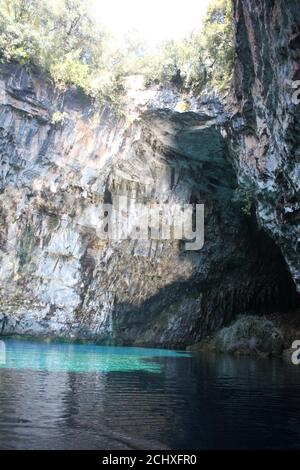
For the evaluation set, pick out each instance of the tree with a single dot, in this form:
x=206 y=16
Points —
x=218 y=42
x=60 y=37
x=56 y=35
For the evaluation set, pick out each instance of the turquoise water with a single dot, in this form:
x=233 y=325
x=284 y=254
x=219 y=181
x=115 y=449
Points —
x=62 y=396
x=80 y=358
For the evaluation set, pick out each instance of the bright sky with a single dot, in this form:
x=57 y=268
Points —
x=156 y=19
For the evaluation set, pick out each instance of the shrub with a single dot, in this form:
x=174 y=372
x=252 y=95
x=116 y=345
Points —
x=62 y=39
x=58 y=117
x=245 y=196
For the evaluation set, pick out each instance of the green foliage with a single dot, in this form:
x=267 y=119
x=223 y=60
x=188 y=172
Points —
x=245 y=195
x=218 y=42
x=207 y=56
x=60 y=37
x=58 y=118
x=70 y=70
x=183 y=63
x=56 y=35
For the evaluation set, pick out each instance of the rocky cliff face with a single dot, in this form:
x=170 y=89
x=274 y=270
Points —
x=60 y=160
x=266 y=115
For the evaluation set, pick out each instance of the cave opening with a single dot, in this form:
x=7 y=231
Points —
x=279 y=294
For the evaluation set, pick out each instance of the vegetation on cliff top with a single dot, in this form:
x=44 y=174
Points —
x=60 y=37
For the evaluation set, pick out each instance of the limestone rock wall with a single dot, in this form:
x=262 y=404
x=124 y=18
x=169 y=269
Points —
x=265 y=129
x=59 y=161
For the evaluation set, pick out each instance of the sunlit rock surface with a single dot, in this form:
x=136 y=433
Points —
x=265 y=131
x=59 y=278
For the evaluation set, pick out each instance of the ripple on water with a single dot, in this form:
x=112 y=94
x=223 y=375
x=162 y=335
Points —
x=61 y=396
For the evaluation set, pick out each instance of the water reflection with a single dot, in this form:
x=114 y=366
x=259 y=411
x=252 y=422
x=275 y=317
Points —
x=80 y=358
x=198 y=402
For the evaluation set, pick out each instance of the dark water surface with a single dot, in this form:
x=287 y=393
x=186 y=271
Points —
x=94 y=397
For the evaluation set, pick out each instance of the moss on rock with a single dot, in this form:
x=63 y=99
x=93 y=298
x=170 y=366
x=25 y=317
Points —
x=249 y=334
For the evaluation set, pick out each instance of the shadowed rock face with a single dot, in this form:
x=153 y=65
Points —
x=59 y=278
x=265 y=128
